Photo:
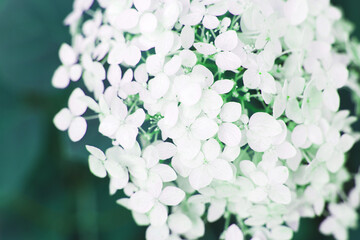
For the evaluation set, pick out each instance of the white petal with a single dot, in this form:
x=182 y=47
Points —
x=83 y=5
x=203 y=75
x=200 y=177
x=76 y=105
x=296 y=87
x=75 y=72
x=188 y=58
x=281 y=233
x=278 y=175
x=210 y=22
x=221 y=169
x=154 y=64
x=164 y=45
x=257 y=195
x=61 y=78
x=320 y=49
x=211 y=149
x=230 y=153
x=158 y=215
x=109 y=125
x=188 y=147
x=227 y=61
x=296 y=11
x=166 y=150
x=205 y=48
x=157 y=233
x=346 y=142
x=229 y=134
x=115 y=169
x=328 y=225
x=331 y=99
x=114 y=74
x=280 y=194
x=189 y=94
x=223 y=86
x=187 y=37
x=127 y=19
x=126 y=136
x=173 y=66
x=148 y=23
x=299 y=135
x=140 y=74
x=139 y=218
x=179 y=223
x=154 y=185
x=259 y=178
x=77 y=129
x=340 y=74
x=67 y=55
x=285 y=150
x=117 y=54
x=98 y=71
x=171 y=196
x=235 y=7
x=166 y=173
x=97 y=167
x=171 y=12
x=138 y=171
x=211 y=103
x=216 y=210
x=133 y=55
x=227 y=41
x=198 y=227
x=159 y=85
x=251 y=78
x=247 y=167
x=230 y=112
x=294 y=162
x=256 y=142
x=264 y=124
x=335 y=162
x=191 y=19
x=63 y=119
x=315 y=134
x=96 y=152
x=141 y=202
x=150 y=154
x=354 y=198
x=233 y=233
x=218 y=9
x=142 y=5
x=192 y=163
x=204 y=128
x=268 y=84
x=118 y=183
x=279 y=106
x=118 y=109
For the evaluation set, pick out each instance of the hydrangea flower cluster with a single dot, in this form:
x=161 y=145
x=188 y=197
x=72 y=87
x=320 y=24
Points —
x=216 y=109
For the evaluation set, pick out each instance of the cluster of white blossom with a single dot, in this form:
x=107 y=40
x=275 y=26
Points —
x=216 y=109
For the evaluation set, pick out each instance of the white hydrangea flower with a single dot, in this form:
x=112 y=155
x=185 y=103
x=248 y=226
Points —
x=216 y=109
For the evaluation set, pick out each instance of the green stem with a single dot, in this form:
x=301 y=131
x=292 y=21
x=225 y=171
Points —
x=91 y=117
x=227 y=220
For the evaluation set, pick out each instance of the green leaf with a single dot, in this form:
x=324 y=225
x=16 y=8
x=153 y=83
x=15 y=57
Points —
x=21 y=141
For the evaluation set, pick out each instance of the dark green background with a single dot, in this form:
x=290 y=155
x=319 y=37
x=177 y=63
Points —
x=46 y=189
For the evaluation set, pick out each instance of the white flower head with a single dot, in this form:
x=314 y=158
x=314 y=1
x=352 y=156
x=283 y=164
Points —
x=216 y=109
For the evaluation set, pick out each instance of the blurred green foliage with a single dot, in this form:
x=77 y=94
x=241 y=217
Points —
x=46 y=189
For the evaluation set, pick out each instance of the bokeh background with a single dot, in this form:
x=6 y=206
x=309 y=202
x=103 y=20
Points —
x=46 y=188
